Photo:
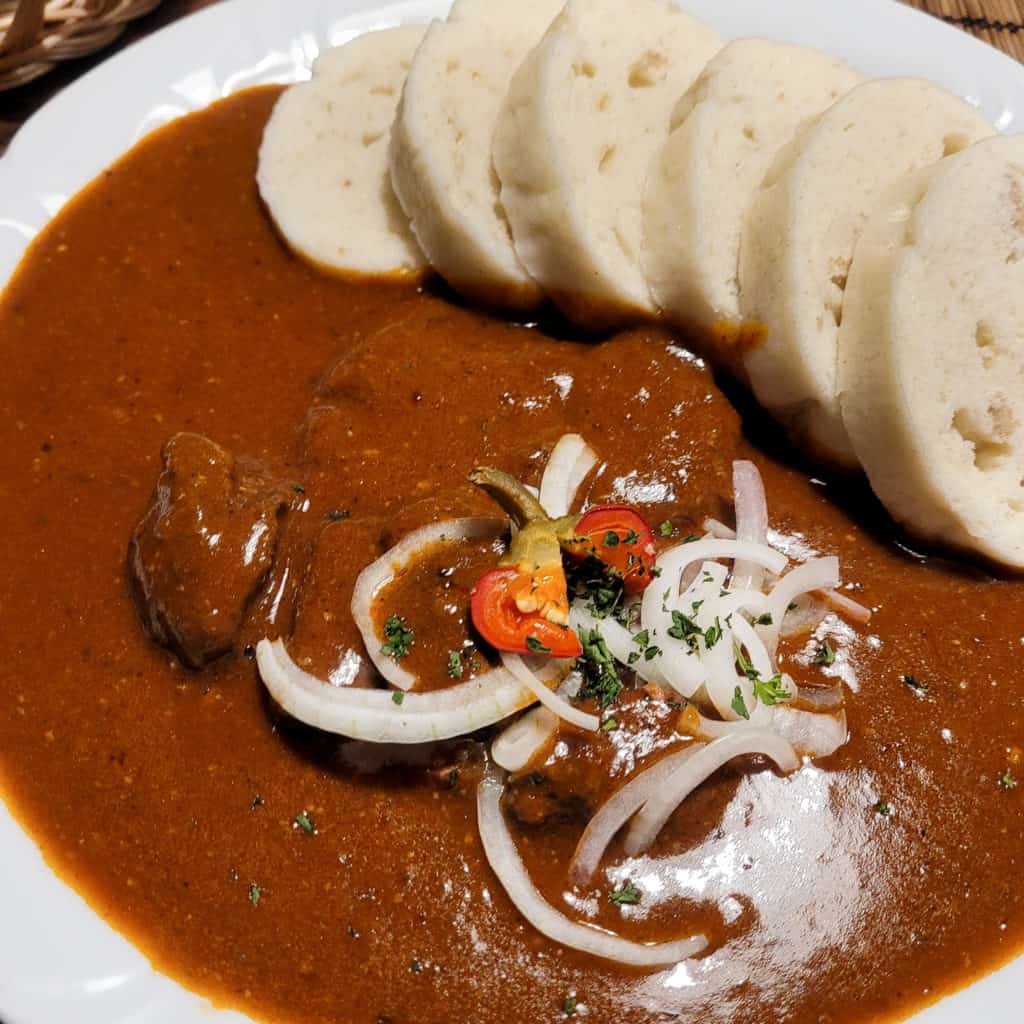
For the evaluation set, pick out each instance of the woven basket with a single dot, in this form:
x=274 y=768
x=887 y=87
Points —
x=36 y=34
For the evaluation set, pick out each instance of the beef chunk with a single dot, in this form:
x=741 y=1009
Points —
x=204 y=547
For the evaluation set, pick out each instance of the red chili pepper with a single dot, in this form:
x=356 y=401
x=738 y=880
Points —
x=620 y=537
x=496 y=603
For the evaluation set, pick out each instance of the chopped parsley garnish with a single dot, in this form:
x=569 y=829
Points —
x=336 y=515
x=739 y=705
x=455 y=668
x=767 y=691
x=305 y=822
x=763 y=620
x=611 y=539
x=298 y=489
x=684 y=628
x=600 y=680
x=666 y=529
x=1008 y=781
x=569 y=1006
x=631 y=538
x=642 y=639
x=651 y=652
x=255 y=893
x=598 y=586
x=915 y=684
x=610 y=724
x=398 y=638
x=690 y=538
x=627 y=896
x=397 y=697
x=883 y=809
x=713 y=634
x=771 y=691
x=536 y=646
x=825 y=654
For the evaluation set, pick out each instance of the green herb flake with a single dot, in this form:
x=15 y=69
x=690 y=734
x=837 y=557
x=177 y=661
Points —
x=611 y=539
x=642 y=639
x=684 y=628
x=397 y=697
x=398 y=638
x=336 y=515
x=610 y=724
x=764 y=620
x=666 y=529
x=536 y=646
x=255 y=894
x=627 y=896
x=298 y=489
x=1008 y=781
x=305 y=822
x=633 y=657
x=600 y=680
x=569 y=1006
x=825 y=655
x=632 y=538
x=915 y=684
x=713 y=634
x=415 y=966
x=455 y=667
x=651 y=653
x=883 y=809
x=771 y=691
x=739 y=705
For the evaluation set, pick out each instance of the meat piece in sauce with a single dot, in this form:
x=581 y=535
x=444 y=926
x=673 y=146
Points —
x=325 y=639
x=204 y=547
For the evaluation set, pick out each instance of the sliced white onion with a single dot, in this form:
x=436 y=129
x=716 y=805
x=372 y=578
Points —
x=619 y=642
x=516 y=667
x=570 y=461
x=617 y=810
x=716 y=528
x=522 y=742
x=817 y=574
x=695 y=769
x=852 y=611
x=376 y=576
x=751 y=521
x=812 y=734
x=681 y=667
x=500 y=849
x=802 y=616
x=373 y=715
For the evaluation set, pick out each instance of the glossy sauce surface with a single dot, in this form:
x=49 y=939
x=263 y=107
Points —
x=853 y=891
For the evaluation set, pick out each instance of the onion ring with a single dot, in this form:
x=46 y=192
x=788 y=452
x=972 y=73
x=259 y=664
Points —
x=693 y=769
x=507 y=865
x=377 y=575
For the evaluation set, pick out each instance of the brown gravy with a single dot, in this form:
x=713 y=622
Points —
x=160 y=301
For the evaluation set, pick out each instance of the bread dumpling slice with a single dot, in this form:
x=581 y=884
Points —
x=440 y=154
x=744 y=106
x=583 y=117
x=931 y=351
x=323 y=169
x=801 y=229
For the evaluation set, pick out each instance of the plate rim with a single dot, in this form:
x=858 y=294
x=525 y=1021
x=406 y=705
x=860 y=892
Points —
x=112 y=981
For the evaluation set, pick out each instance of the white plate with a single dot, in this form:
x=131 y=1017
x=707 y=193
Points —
x=59 y=963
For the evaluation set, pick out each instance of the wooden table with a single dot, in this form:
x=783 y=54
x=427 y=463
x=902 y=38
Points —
x=999 y=22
